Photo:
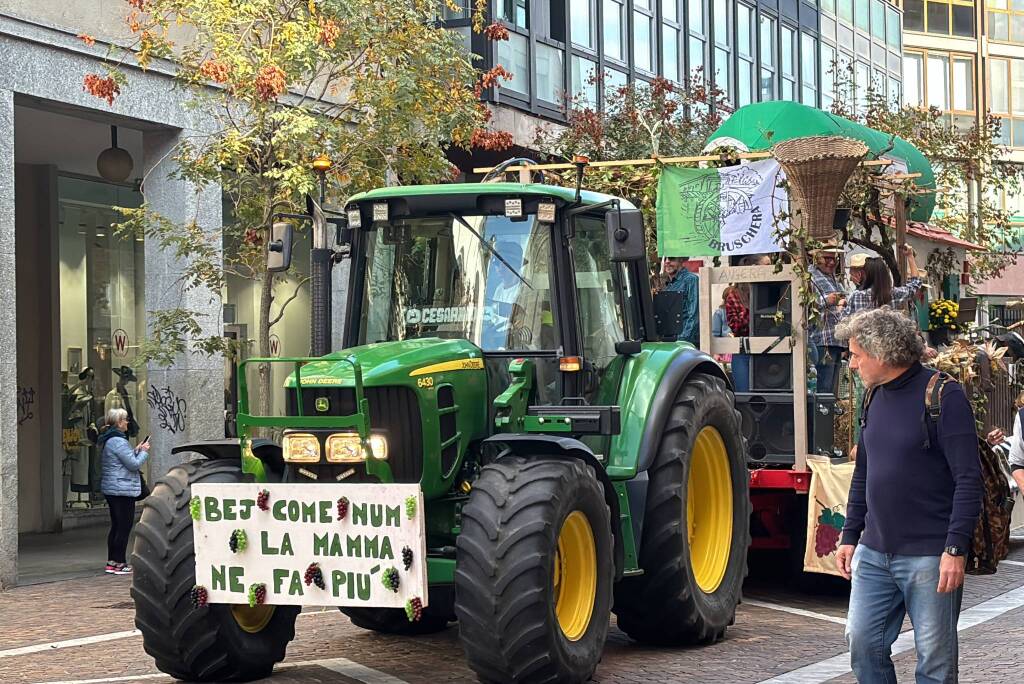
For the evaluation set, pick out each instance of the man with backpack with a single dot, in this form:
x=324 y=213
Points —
x=914 y=502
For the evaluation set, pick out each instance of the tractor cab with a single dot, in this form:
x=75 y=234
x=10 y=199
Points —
x=520 y=271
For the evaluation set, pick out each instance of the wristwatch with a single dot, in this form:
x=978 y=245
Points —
x=954 y=551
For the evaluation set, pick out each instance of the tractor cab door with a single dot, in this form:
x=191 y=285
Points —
x=600 y=289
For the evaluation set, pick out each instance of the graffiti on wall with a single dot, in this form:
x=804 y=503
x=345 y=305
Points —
x=170 y=409
x=26 y=398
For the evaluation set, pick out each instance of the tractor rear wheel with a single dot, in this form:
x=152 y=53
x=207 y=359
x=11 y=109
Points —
x=534 y=571
x=696 y=528
x=395 y=621
x=212 y=643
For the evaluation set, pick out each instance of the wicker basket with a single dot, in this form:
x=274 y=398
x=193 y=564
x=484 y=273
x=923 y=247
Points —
x=817 y=168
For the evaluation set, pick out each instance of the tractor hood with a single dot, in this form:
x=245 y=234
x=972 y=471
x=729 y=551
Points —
x=392 y=363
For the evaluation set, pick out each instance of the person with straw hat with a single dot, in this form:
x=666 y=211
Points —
x=827 y=350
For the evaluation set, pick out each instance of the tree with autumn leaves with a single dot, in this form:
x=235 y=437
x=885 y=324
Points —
x=378 y=87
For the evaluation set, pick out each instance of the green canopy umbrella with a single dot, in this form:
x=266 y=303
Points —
x=756 y=127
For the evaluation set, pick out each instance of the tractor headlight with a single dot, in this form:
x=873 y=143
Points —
x=301 y=447
x=346 y=447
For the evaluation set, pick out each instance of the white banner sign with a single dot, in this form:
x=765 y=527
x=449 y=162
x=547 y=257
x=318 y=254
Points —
x=360 y=552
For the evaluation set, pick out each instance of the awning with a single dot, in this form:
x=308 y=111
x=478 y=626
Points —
x=756 y=127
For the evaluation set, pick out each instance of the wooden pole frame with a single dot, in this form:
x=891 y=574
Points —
x=656 y=160
x=794 y=344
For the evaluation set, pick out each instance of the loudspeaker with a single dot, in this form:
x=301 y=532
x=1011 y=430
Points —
x=771 y=372
x=767 y=421
x=770 y=309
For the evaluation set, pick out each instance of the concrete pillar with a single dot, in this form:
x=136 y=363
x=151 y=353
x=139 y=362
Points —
x=8 y=361
x=186 y=400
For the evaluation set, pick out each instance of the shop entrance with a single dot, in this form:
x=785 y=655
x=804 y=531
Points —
x=81 y=315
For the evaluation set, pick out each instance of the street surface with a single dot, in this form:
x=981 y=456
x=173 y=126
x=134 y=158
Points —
x=81 y=630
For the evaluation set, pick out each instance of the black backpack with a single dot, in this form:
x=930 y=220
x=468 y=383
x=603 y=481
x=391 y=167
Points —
x=991 y=541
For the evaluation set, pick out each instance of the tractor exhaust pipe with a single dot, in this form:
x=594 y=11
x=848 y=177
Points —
x=321 y=260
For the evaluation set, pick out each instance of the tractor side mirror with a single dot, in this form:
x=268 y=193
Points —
x=279 y=247
x=625 y=234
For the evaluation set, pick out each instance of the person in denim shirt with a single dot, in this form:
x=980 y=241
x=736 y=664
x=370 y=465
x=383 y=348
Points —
x=682 y=280
x=121 y=484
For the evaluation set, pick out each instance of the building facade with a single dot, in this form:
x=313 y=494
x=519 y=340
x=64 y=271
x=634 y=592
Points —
x=78 y=294
x=753 y=51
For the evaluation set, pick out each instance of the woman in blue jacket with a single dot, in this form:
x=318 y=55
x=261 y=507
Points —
x=121 y=484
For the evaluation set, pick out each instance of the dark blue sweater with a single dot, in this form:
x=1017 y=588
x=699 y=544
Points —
x=907 y=499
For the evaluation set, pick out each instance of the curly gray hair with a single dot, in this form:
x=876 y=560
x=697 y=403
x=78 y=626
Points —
x=885 y=334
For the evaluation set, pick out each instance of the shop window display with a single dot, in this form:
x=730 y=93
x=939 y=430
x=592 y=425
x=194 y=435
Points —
x=102 y=321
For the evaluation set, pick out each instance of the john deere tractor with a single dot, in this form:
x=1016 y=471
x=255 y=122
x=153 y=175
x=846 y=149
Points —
x=501 y=356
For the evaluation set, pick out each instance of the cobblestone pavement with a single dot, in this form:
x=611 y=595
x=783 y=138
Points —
x=777 y=631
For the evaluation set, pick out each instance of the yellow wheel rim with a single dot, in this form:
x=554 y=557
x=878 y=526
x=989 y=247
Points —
x=254 y=619
x=709 y=510
x=575 y=576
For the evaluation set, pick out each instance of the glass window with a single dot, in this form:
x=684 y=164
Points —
x=722 y=73
x=788 y=63
x=744 y=35
x=861 y=15
x=550 y=68
x=878 y=19
x=1017 y=87
x=642 y=41
x=938 y=82
x=963 y=20
x=721 y=17
x=893 y=31
x=584 y=79
x=513 y=54
x=913 y=15
x=423 y=267
x=937 y=17
x=913 y=78
x=696 y=54
x=1017 y=28
x=614 y=80
x=808 y=60
x=613 y=16
x=695 y=20
x=895 y=94
x=963 y=84
x=670 y=52
x=514 y=12
x=101 y=277
x=862 y=79
x=766 y=87
x=767 y=41
x=669 y=11
x=582 y=22
x=600 y=311
x=745 y=78
x=828 y=75
x=998 y=26
x=846 y=11
x=999 y=86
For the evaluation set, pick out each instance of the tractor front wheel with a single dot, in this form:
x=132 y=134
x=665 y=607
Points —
x=209 y=643
x=534 y=571
x=696 y=528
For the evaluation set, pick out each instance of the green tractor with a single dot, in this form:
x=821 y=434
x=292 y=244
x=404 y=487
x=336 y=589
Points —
x=500 y=354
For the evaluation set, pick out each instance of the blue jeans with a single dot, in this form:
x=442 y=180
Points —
x=886 y=587
x=827 y=364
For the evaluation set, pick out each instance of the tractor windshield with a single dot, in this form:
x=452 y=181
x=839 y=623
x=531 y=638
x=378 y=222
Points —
x=485 y=279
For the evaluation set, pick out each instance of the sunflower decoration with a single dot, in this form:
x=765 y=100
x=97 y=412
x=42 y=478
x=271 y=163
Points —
x=942 y=314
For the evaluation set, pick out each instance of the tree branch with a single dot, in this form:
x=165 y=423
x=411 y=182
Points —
x=280 y=312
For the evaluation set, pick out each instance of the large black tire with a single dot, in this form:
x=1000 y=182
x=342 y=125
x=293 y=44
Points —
x=505 y=592
x=666 y=606
x=205 y=644
x=395 y=621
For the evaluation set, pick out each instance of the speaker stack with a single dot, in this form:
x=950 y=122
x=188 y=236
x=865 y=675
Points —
x=767 y=410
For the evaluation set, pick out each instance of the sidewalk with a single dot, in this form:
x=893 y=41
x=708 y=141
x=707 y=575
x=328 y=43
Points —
x=80 y=552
